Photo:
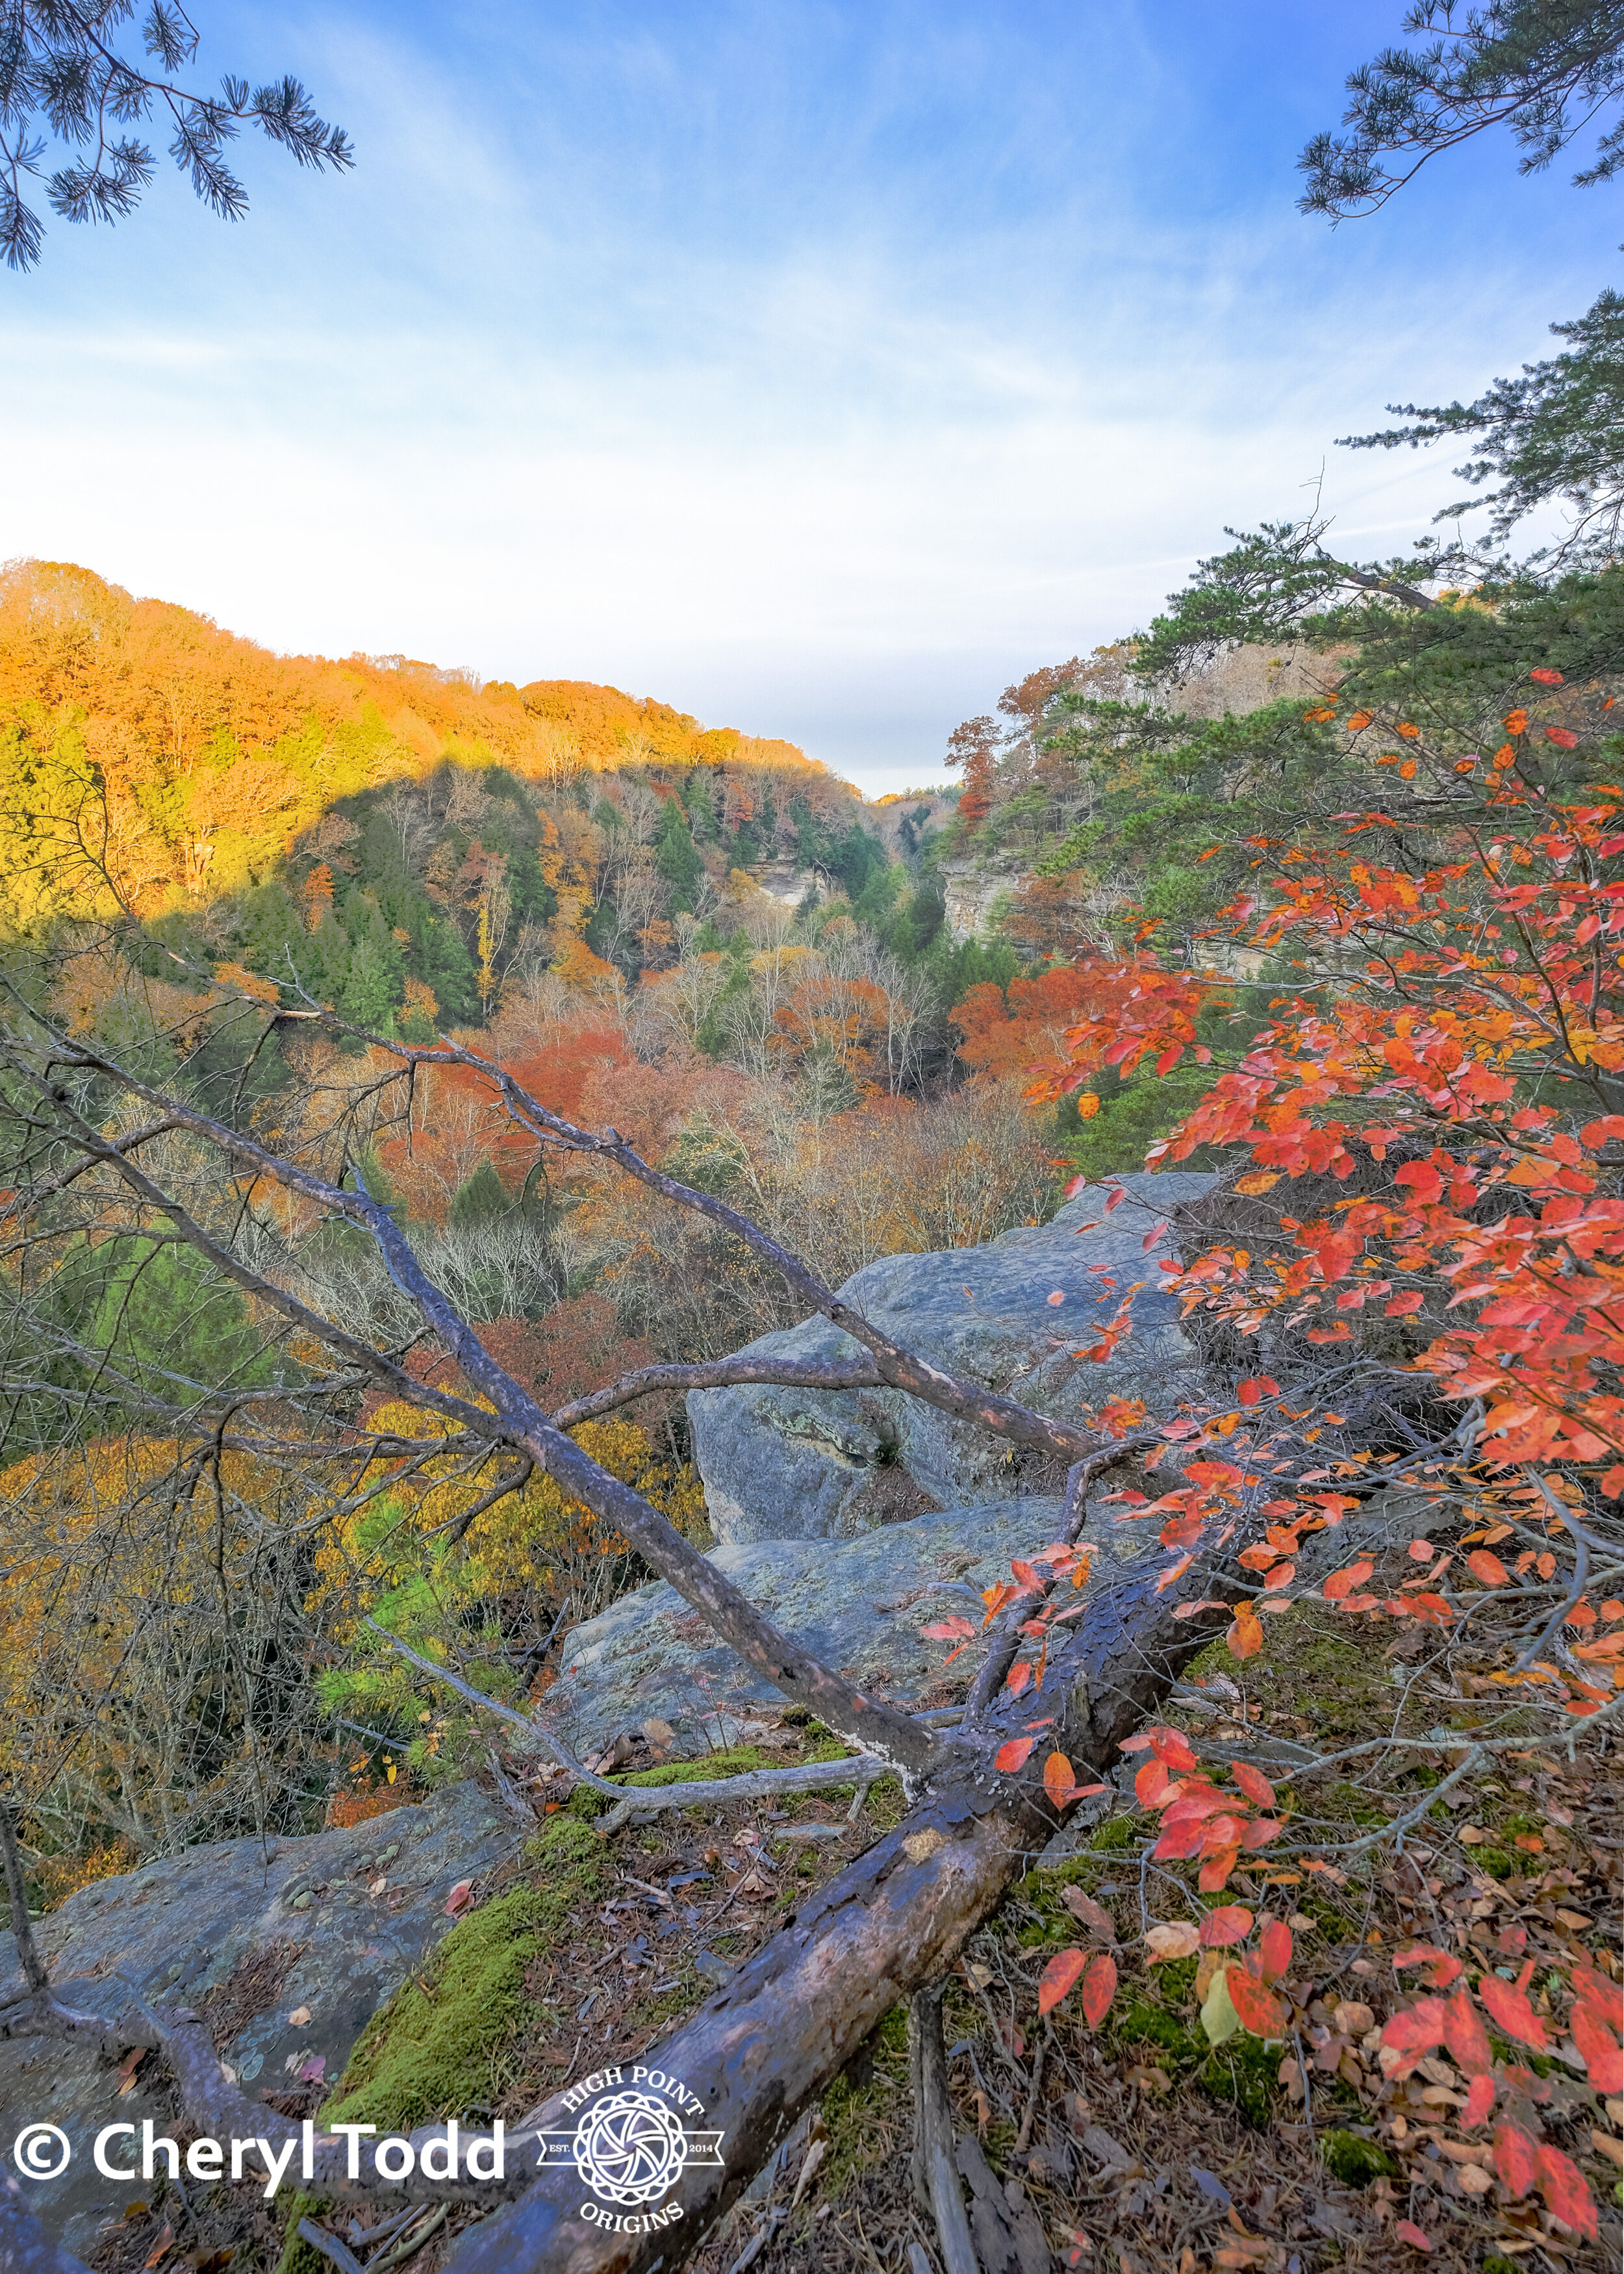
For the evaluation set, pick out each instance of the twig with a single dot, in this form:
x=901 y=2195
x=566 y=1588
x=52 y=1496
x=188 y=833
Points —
x=330 y=2247
x=936 y=2178
x=1023 y=2138
x=1581 y=1572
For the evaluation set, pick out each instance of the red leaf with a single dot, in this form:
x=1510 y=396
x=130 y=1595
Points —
x=1487 y=1568
x=1547 y=678
x=1154 y=1235
x=1260 y=1831
x=1151 y=1783
x=1018 y=1677
x=948 y=1630
x=1343 y=1583
x=1510 y=2011
x=1170 y=1745
x=1099 y=1988
x=1407 y=2231
x=1479 y=2100
x=1013 y=1756
x=1415 y=2031
x=1439 y=1967
x=1232 y=1923
x=1514 y=2162
x=1213 y=1875
x=459 y=1899
x=1254 y=1784
x=1604 y=2060
x=1180 y=1840
x=1464 y=2034
x=1275 y=1949
x=1118 y=1195
x=1567 y=2196
x=1259 y=2010
x=1058 y=1977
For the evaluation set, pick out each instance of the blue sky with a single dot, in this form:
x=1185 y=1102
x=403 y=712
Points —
x=817 y=368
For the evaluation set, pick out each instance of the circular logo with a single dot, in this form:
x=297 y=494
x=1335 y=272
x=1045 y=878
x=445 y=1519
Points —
x=630 y=2146
x=41 y=2152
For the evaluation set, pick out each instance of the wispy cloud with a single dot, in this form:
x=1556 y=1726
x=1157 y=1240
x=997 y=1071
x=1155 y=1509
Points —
x=816 y=369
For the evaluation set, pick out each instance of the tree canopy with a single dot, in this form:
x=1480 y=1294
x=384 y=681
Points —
x=63 y=65
x=1548 y=68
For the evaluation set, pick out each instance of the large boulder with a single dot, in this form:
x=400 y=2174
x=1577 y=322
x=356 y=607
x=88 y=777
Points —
x=829 y=1465
x=857 y=1604
x=287 y=1949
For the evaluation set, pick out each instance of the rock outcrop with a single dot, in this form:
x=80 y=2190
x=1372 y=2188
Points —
x=859 y=1604
x=829 y=1465
x=286 y=1950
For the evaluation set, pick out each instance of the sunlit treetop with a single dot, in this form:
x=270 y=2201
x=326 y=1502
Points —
x=62 y=70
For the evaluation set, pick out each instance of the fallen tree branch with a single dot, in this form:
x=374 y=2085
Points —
x=935 y=2174
x=637 y=1802
x=722 y=1374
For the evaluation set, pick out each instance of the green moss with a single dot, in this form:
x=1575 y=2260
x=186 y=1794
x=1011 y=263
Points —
x=1357 y=2162
x=1246 y=2072
x=733 y=1761
x=426 y=2054
x=1338 y=1682
x=1494 y=2264
x=297 y=2255
x=1499 y=1862
x=1115 y=1833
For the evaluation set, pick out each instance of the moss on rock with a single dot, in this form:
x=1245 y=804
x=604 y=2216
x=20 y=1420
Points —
x=426 y=2054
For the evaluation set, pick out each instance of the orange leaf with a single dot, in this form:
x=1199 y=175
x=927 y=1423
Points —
x=1517 y=721
x=1013 y=1756
x=1344 y=1582
x=1245 y=1636
x=1410 y=733
x=1254 y=1784
x=1407 y=771
x=1487 y=1568
x=1258 y=1181
x=1058 y=1779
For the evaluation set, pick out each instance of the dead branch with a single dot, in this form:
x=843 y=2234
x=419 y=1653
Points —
x=722 y=1374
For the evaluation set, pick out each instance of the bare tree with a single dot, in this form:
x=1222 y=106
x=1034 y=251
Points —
x=889 y=1926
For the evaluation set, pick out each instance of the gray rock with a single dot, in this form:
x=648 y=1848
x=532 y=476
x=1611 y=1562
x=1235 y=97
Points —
x=248 y=1937
x=818 y=1465
x=859 y=1605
